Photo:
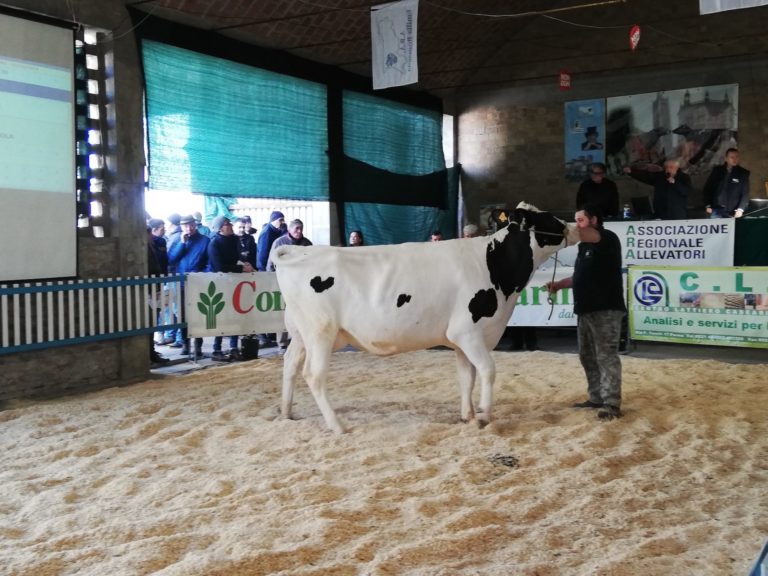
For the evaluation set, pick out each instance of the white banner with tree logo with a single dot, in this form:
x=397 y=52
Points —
x=219 y=304
x=701 y=305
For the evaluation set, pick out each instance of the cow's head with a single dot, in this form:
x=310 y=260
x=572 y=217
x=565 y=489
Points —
x=511 y=254
x=548 y=230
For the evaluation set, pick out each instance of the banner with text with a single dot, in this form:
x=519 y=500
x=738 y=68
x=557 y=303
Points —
x=667 y=243
x=705 y=305
x=533 y=307
x=219 y=304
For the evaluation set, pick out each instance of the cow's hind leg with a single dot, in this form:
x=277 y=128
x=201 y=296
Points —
x=292 y=360
x=465 y=373
x=480 y=358
x=316 y=375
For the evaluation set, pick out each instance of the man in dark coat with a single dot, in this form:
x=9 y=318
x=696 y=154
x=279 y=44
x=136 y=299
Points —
x=670 y=190
x=246 y=240
x=598 y=292
x=154 y=267
x=269 y=233
x=189 y=254
x=224 y=256
x=726 y=191
x=599 y=191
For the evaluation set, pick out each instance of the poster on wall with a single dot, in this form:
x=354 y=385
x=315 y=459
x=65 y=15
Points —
x=584 y=136
x=694 y=125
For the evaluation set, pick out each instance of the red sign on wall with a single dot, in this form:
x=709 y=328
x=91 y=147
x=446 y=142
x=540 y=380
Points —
x=565 y=80
x=634 y=37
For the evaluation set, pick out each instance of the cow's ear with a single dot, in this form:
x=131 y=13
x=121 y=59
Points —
x=499 y=218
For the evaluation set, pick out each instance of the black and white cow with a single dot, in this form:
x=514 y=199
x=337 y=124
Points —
x=404 y=297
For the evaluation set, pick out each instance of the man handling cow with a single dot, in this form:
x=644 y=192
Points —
x=599 y=303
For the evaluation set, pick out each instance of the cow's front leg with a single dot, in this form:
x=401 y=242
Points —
x=465 y=373
x=481 y=359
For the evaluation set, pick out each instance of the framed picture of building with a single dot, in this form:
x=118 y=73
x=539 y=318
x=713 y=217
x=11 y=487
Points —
x=695 y=126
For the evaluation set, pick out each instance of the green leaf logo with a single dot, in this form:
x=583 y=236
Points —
x=210 y=305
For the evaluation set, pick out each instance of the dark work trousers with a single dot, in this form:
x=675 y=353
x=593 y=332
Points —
x=598 y=334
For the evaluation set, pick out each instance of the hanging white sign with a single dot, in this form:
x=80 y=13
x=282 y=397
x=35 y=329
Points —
x=394 y=59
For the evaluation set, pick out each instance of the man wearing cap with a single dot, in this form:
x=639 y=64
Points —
x=189 y=254
x=224 y=256
x=269 y=233
x=249 y=229
x=294 y=236
x=590 y=139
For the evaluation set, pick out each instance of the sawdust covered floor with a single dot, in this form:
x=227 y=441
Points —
x=192 y=475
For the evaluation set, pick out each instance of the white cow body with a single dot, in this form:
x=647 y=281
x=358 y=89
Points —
x=405 y=297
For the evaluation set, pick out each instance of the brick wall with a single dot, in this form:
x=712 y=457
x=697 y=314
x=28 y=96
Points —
x=92 y=366
x=511 y=143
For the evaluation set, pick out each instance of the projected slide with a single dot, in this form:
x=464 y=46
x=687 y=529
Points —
x=36 y=126
x=37 y=150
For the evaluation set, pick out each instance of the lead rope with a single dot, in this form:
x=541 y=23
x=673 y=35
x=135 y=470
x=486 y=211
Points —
x=550 y=299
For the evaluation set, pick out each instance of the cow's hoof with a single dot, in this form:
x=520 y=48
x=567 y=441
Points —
x=482 y=423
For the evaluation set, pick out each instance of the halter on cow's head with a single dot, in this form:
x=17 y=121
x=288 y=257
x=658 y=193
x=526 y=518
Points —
x=548 y=230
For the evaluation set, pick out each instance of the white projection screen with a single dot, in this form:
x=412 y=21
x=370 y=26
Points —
x=37 y=150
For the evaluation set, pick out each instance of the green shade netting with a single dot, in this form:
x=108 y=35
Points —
x=396 y=186
x=392 y=224
x=392 y=136
x=221 y=128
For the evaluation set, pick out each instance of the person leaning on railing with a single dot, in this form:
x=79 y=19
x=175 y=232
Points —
x=224 y=256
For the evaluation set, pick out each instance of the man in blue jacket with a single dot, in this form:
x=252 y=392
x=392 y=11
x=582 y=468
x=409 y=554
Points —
x=189 y=254
x=269 y=233
x=727 y=189
x=224 y=256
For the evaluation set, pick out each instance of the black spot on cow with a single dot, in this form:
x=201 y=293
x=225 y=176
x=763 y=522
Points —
x=403 y=299
x=483 y=304
x=320 y=285
x=510 y=261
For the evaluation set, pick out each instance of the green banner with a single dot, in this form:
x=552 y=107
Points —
x=699 y=305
